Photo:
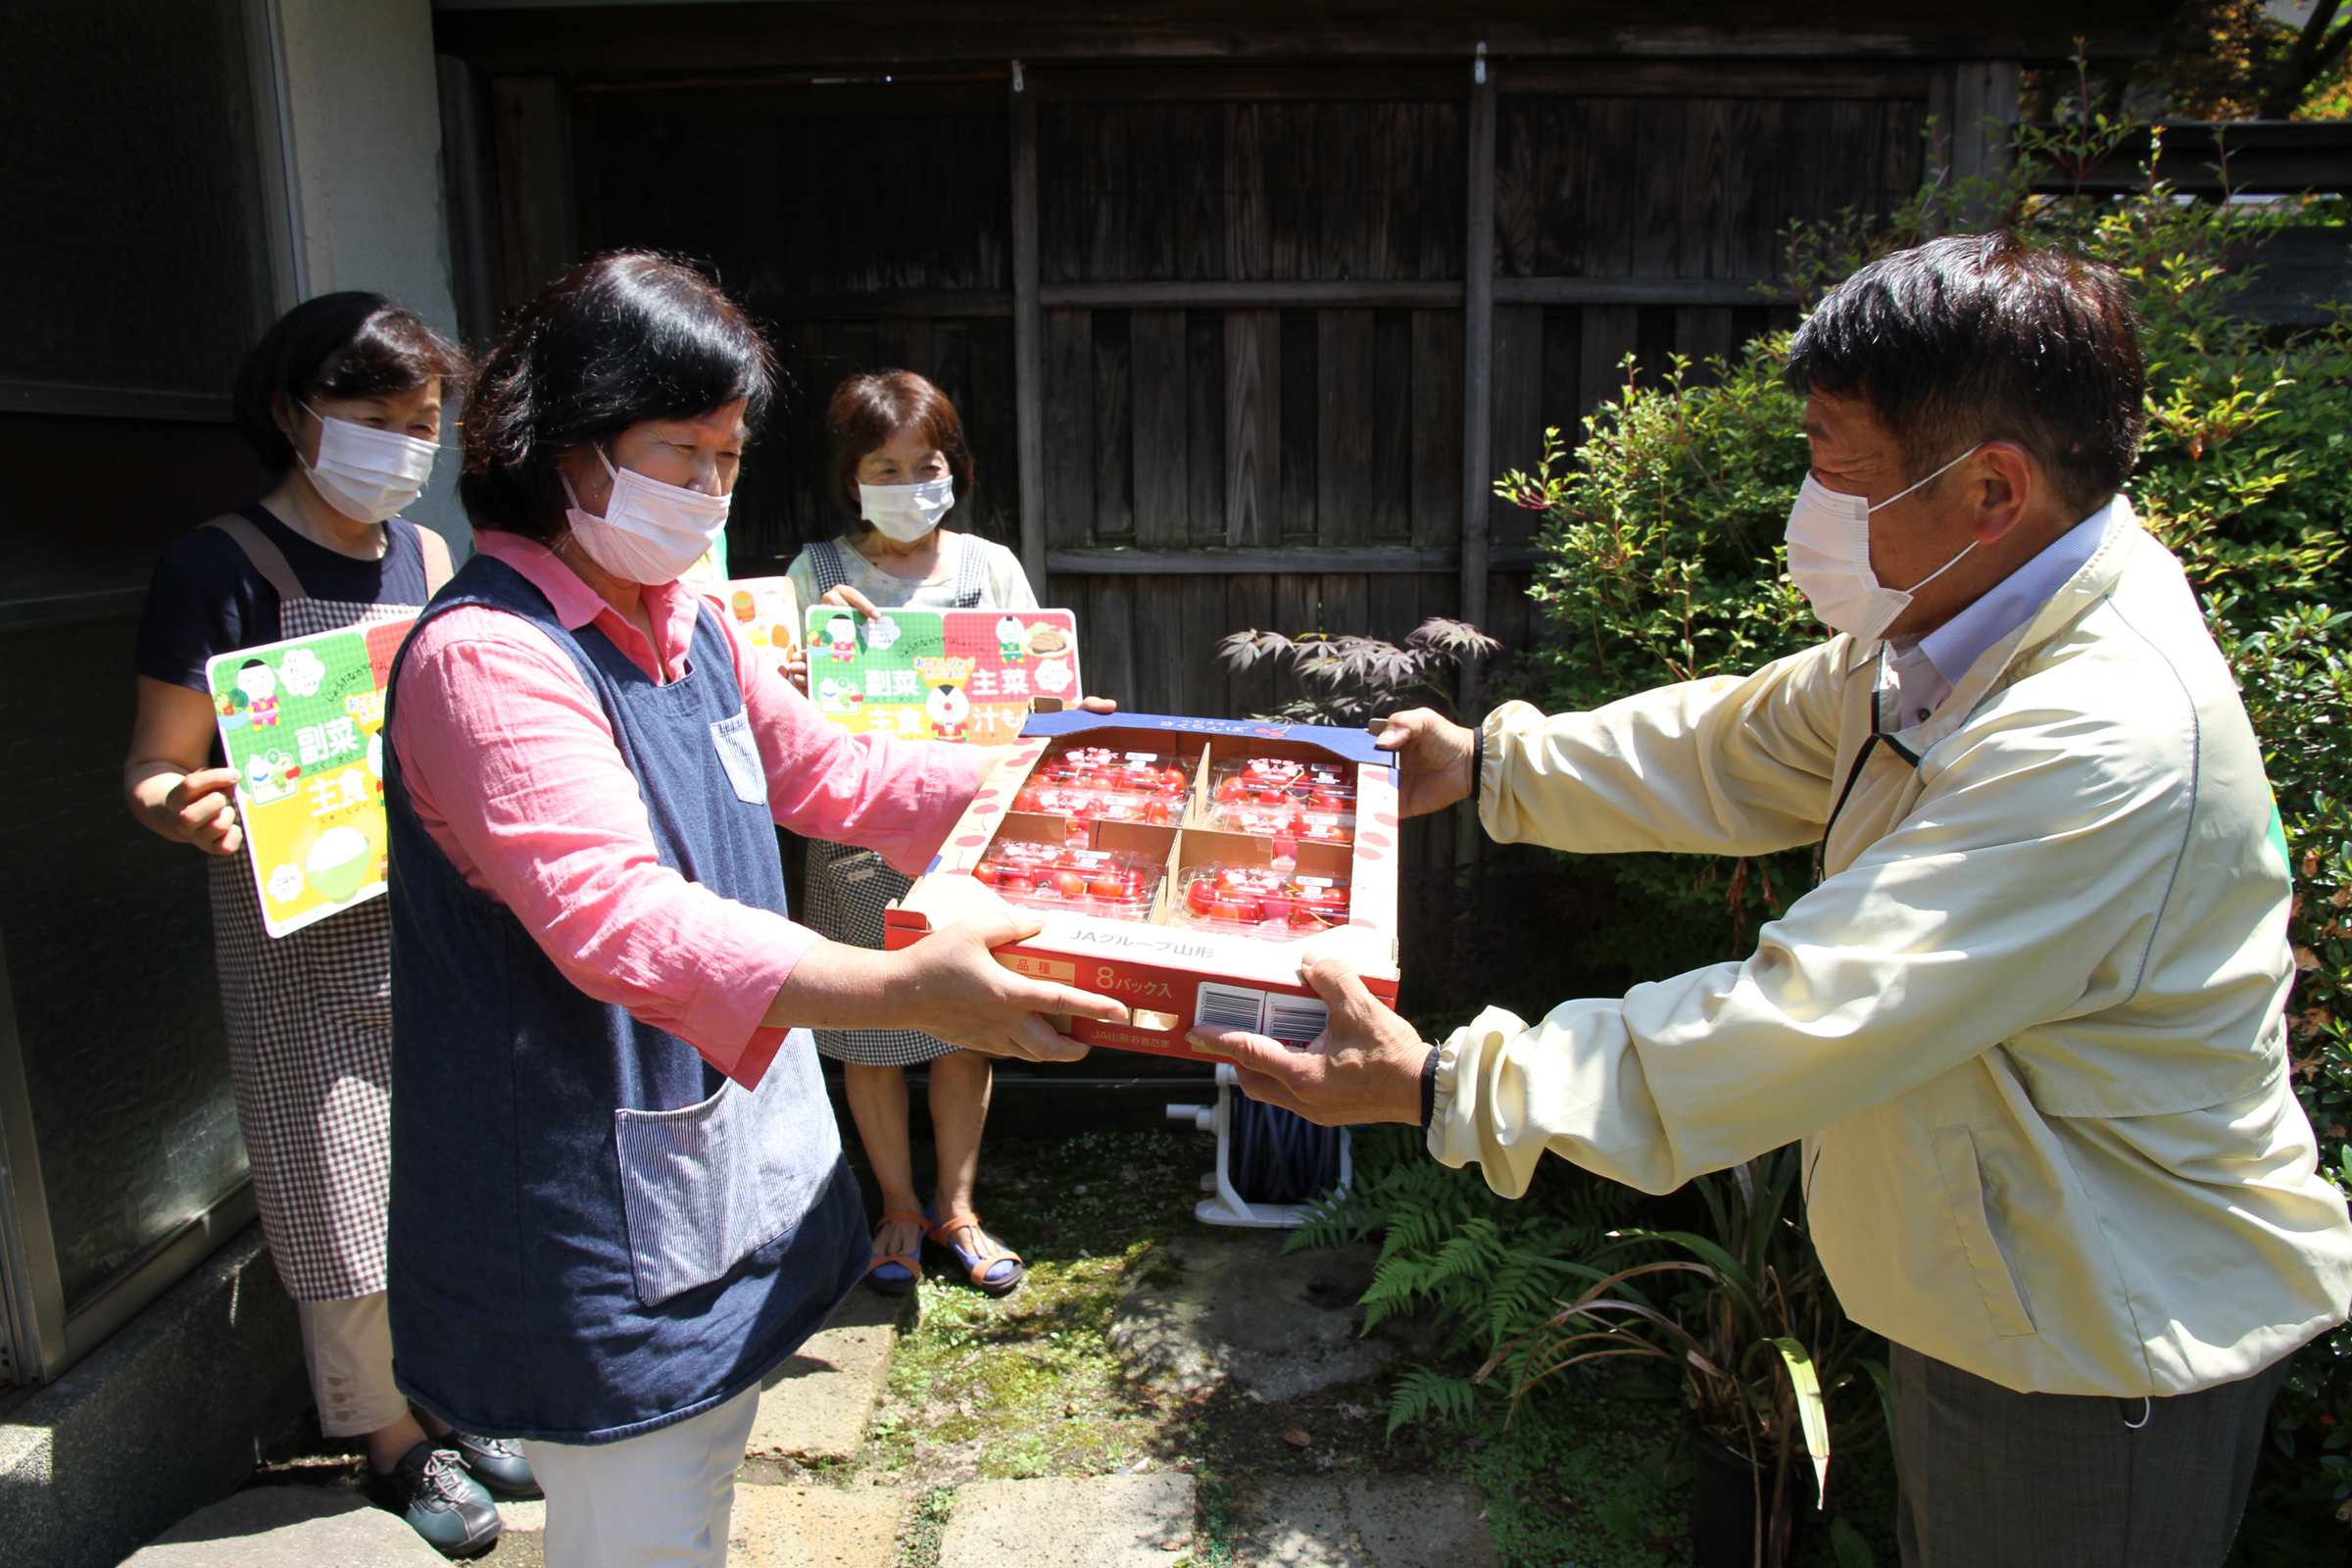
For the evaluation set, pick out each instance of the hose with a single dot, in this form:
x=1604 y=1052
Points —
x=1279 y=1157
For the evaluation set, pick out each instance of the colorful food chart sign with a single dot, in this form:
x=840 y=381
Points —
x=768 y=613
x=940 y=674
x=302 y=721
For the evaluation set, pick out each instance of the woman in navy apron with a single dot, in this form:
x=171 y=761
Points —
x=342 y=399
x=617 y=1191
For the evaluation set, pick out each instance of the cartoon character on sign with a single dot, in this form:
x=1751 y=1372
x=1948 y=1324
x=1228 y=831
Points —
x=256 y=682
x=948 y=707
x=1012 y=645
x=838 y=637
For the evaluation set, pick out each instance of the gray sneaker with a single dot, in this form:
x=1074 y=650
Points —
x=441 y=1502
x=496 y=1462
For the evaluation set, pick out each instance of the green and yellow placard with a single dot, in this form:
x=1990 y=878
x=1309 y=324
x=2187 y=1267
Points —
x=940 y=674
x=302 y=722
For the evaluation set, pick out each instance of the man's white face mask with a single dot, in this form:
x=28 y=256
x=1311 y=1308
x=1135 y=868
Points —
x=1829 y=558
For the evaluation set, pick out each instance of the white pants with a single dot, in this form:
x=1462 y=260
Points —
x=348 y=1347
x=657 y=1502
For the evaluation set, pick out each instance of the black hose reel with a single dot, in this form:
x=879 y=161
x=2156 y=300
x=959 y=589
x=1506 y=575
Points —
x=1271 y=1162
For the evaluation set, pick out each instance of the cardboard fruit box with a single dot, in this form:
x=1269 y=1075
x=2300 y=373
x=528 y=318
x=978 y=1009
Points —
x=1171 y=974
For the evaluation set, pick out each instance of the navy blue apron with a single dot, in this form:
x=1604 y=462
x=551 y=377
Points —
x=594 y=1233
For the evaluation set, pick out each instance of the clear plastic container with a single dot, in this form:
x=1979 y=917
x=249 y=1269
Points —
x=1275 y=906
x=1287 y=825
x=1054 y=876
x=1098 y=768
x=1100 y=805
x=1243 y=792
x=1087 y=784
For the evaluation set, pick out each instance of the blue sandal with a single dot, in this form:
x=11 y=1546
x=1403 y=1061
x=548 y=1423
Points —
x=896 y=1273
x=995 y=1268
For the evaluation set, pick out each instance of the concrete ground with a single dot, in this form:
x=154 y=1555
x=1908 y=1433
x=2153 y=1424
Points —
x=1212 y=1347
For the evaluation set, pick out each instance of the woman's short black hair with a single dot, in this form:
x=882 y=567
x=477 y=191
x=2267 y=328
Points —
x=348 y=345
x=619 y=340
x=1980 y=337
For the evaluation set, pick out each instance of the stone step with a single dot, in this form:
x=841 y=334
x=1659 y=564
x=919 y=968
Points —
x=1361 y=1522
x=1097 y=1522
x=288 y=1527
x=815 y=1406
x=1280 y=1326
x=815 y=1527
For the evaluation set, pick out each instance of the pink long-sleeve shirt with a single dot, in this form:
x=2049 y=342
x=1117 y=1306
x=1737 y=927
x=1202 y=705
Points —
x=510 y=763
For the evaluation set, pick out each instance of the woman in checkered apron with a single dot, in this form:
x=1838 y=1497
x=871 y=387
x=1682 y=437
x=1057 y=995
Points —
x=899 y=466
x=343 y=400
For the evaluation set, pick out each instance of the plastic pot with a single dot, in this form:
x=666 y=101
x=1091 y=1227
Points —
x=1732 y=1495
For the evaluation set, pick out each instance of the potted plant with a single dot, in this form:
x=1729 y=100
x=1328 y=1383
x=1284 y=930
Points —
x=1758 y=1338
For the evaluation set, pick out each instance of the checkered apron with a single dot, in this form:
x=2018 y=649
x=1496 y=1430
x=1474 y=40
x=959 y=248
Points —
x=309 y=1028
x=846 y=888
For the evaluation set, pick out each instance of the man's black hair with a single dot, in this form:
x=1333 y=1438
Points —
x=1980 y=337
x=619 y=340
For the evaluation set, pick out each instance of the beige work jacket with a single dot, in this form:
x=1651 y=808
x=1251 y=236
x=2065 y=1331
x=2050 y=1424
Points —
x=2030 y=1025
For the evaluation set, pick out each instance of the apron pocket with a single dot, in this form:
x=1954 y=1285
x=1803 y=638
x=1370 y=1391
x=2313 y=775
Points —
x=1963 y=1195
x=705 y=1186
x=739 y=755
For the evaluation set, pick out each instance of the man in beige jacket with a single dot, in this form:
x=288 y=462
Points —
x=2029 y=1024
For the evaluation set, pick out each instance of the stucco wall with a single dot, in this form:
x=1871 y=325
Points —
x=363 y=109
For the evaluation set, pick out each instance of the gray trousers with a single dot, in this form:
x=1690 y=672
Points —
x=1995 y=1479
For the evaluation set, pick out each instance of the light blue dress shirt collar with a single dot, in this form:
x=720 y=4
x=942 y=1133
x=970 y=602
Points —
x=1924 y=669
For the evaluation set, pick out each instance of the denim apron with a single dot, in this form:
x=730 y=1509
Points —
x=594 y=1233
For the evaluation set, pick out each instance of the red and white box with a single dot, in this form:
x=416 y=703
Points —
x=1226 y=956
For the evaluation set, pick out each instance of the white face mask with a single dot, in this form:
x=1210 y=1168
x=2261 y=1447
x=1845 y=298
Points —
x=1829 y=556
x=907 y=511
x=651 y=532
x=365 y=473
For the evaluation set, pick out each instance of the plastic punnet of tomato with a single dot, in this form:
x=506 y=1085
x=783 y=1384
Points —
x=1287 y=823
x=1050 y=876
x=1254 y=900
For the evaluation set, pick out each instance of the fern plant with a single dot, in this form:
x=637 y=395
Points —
x=1490 y=1270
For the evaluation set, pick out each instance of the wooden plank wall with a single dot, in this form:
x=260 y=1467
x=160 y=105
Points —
x=870 y=240
x=1251 y=333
